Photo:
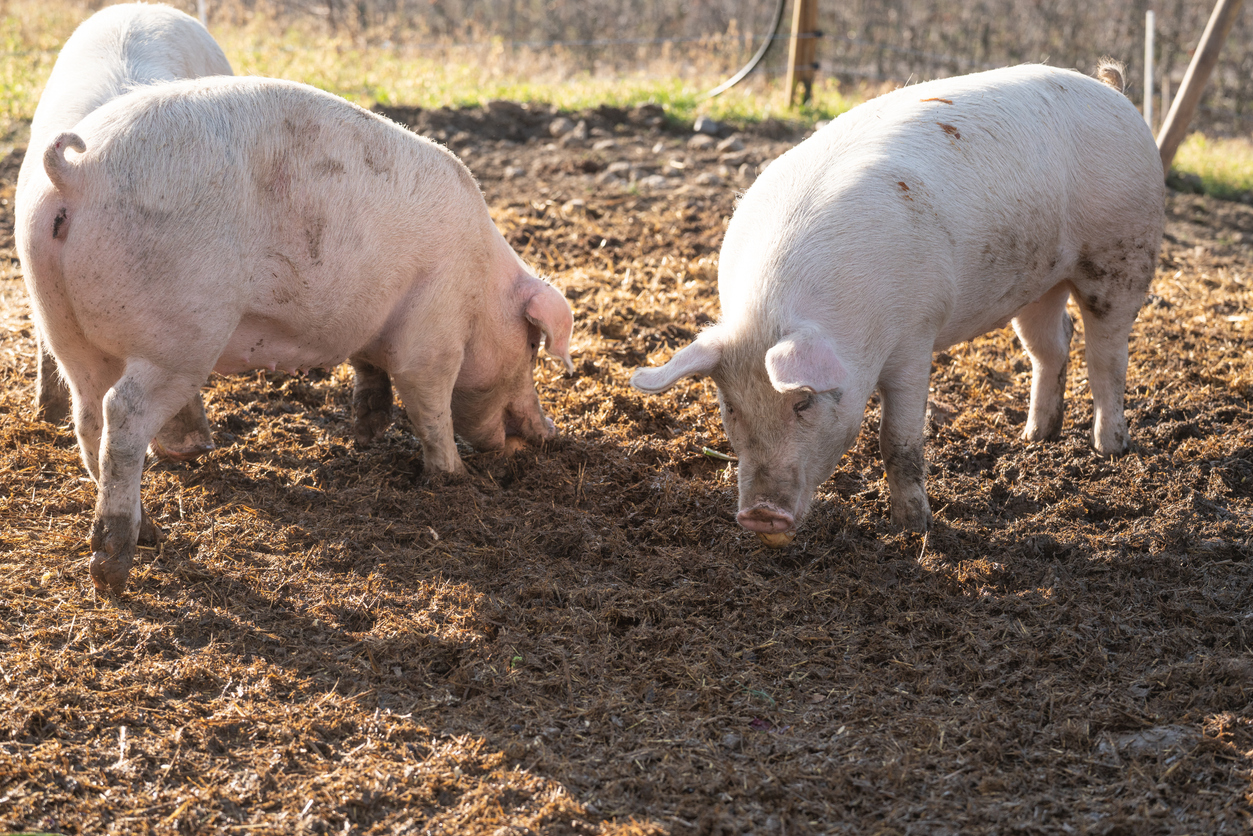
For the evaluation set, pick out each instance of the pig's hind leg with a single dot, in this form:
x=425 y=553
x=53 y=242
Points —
x=52 y=396
x=371 y=402
x=1110 y=289
x=142 y=400
x=1045 y=330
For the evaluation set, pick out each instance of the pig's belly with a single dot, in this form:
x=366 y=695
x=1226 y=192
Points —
x=262 y=345
x=993 y=304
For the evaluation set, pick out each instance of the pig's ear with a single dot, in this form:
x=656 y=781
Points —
x=700 y=357
x=549 y=311
x=804 y=361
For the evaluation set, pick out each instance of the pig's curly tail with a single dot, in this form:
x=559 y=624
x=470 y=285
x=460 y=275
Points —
x=60 y=170
x=1112 y=72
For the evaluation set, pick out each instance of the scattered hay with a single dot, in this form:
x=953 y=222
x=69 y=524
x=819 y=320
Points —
x=578 y=639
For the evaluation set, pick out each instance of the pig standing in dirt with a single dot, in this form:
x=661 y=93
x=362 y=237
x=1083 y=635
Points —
x=227 y=224
x=923 y=218
x=114 y=51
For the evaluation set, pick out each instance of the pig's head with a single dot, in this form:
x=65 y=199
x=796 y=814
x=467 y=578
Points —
x=783 y=412
x=494 y=403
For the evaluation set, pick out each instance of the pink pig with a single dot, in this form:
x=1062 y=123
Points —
x=116 y=50
x=227 y=224
x=920 y=219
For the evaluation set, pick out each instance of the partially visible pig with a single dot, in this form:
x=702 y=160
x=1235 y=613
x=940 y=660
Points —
x=226 y=224
x=114 y=51
x=923 y=218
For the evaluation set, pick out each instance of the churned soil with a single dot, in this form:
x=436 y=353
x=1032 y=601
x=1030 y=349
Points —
x=578 y=639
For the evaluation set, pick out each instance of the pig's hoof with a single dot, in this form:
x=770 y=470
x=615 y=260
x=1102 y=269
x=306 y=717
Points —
x=110 y=573
x=1050 y=431
x=514 y=443
x=1113 y=442
x=52 y=409
x=777 y=541
x=367 y=429
x=912 y=516
x=186 y=452
x=440 y=478
x=149 y=533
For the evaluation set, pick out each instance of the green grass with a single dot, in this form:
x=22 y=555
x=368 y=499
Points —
x=31 y=32
x=457 y=77
x=1225 y=166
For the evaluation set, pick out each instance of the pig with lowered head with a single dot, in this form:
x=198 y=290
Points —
x=116 y=50
x=228 y=224
x=917 y=220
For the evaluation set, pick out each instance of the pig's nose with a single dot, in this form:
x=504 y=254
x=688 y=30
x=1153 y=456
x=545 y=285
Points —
x=765 y=518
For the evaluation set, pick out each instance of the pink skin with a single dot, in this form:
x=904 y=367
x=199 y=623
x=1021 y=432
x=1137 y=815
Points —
x=495 y=405
x=794 y=445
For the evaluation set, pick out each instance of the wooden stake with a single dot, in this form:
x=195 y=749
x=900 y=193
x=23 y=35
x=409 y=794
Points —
x=802 y=55
x=1150 y=30
x=1204 y=59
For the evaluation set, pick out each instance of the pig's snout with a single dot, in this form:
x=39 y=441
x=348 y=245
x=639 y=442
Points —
x=520 y=433
x=766 y=518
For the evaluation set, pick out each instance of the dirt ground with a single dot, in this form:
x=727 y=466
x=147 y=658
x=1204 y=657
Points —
x=579 y=639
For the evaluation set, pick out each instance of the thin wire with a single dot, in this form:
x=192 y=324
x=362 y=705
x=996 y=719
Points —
x=755 y=60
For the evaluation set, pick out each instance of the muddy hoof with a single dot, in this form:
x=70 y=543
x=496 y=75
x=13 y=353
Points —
x=372 y=403
x=514 y=443
x=109 y=573
x=150 y=533
x=181 y=453
x=370 y=428
x=54 y=412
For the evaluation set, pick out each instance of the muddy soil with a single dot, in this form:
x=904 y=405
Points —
x=578 y=639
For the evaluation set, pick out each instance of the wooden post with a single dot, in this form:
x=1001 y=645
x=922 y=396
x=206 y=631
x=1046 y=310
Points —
x=1149 y=32
x=1203 y=60
x=802 y=55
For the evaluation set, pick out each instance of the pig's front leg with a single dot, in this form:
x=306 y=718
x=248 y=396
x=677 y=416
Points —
x=427 y=396
x=903 y=393
x=371 y=402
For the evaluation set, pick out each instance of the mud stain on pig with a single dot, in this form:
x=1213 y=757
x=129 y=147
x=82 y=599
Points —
x=905 y=461
x=374 y=163
x=1110 y=274
x=329 y=168
x=313 y=237
x=951 y=130
x=58 y=223
x=303 y=134
x=273 y=179
x=288 y=284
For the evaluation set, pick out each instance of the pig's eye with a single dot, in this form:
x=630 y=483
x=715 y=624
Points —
x=803 y=405
x=730 y=410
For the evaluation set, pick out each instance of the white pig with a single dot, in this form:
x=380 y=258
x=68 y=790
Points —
x=114 y=51
x=227 y=224
x=917 y=220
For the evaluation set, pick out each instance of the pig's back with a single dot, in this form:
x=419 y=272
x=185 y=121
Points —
x=313 y=212
x=961 y=195
x=117 y=49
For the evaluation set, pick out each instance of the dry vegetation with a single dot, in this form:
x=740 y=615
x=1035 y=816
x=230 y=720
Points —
x=877 y=40
x=579 y=640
